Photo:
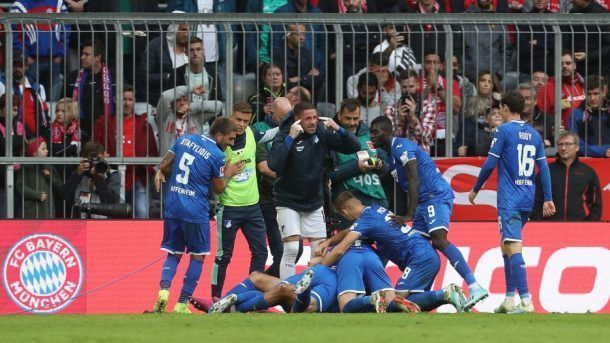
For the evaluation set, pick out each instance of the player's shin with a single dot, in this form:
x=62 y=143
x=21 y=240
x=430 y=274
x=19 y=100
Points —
x=359 y=305
x=244 y=286
x=191 y=278
x=291 y=249
x=169 y=270
x=519 y=275
x=251 y=301
x=458 y=262
x=428 y=301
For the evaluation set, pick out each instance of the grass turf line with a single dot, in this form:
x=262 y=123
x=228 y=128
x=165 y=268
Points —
x=307 y=327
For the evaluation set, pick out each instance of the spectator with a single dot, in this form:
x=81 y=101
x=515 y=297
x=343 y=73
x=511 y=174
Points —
x=65 y=131
x=359 y=172
x=258 y=39
x=536 y=45
x=576 y=189
x=33 y=109
x=298 y=94
x=591 y=120
x=92 y=182
x=395 y=46
x=572 y=91
x=266 y=177
x=539 y=79
x=368 y=96
x=405 y=114
x=138 y=141
x=273 y=87
x=532 y=115
x=484 y=47
x=388 y=87
x=297 y=156
x=427 y=37
x=303 y=65
x=590 y=43
x=213 y=37
x=474 y=137
x=38 y=185
x=163 y=55
x=92 y=87
x=43 y=45
x=433 y=116
x=194 y=74
x=487 y=87
x=467 y=89
x=17 y=138
x=174 y=106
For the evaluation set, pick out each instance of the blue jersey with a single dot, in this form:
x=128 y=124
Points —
x=431 y=182
x=393 y=241
x=197 y=160
x=518 y=147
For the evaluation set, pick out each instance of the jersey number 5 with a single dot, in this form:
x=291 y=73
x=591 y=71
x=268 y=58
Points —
x=525 y=154
x=186 y=160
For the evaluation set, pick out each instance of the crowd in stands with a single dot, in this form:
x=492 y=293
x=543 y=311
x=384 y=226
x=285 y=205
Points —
x=64 y=85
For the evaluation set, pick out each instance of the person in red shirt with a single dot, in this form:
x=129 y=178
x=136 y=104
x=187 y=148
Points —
x=138 y=141
x=572 y=90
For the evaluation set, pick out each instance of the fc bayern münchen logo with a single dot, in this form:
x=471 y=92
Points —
x=43 y=273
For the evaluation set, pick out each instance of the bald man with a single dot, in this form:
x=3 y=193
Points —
x=281 y=107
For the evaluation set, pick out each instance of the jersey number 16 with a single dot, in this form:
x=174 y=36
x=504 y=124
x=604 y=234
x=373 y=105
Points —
x=526 y=154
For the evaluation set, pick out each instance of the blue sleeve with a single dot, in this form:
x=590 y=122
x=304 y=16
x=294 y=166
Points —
x=174 y=147
x=403 y=153
x=488 y=167
x=545 y=178
x=497 y=143
x=218 y=163
x=360 y=227
x=591 y=150
x=278 y=154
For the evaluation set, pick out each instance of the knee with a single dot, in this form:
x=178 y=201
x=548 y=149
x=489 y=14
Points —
x=255 y=276
x=291 y=248
x=197 y=257
x=439 y=242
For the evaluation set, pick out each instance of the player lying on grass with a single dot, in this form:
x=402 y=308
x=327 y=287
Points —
x=313 y=290
x=359 y=270
x=411 y=252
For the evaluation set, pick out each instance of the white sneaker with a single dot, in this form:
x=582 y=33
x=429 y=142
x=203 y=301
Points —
x=223 y=304
x=526 y=306
x=507 y=305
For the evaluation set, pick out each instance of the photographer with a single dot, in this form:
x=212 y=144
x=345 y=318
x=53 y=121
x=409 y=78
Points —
x=92 y=182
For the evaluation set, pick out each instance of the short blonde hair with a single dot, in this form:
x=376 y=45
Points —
x=70 y=108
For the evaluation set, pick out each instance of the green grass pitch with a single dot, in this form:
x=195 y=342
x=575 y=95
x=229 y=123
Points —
x=268 y=327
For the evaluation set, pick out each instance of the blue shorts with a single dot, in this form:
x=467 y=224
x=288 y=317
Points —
x=179 y=235
x=511 y=223
x=422 y=267
x=361 y=272
x=431 y=216
x=323 y=287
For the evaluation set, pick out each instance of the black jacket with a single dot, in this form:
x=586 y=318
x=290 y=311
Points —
x=300 y=164
x=576 y=193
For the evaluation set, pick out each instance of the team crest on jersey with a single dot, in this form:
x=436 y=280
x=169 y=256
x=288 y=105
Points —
x=43 y=273
x=227 y=223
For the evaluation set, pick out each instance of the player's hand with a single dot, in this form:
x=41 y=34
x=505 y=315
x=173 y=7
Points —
x=580 y=56
x=330 y=124
x=471 y=197
x=322 y=248
x=548 y=208
x=159 y=178
x=295 y=129
x=401 y=220
x=462 y=151
x=232 y=169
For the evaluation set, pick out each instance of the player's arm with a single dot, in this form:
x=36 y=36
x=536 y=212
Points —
x=165 y=168
x=497 y=145
x=334 y=240
x=221 y=179
x=340 y=249
x=266 y=136
x=548 y=207
x=282 y=144
x=410 y=169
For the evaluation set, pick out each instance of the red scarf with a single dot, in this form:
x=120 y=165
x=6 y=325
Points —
x=83 y=76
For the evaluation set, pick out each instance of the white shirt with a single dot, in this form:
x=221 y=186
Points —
x=207 y=33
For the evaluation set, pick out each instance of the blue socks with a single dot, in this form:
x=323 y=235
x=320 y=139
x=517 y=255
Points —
x=169 y=270
x=302 y=301
x=359 y=304
x=518 y=275
x=191 y=278
x=428 y=301
x=244 y=286
x=251 y=301
x=510 y=286
x=458 y=262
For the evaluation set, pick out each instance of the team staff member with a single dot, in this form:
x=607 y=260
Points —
x=297 y=157
x=575 y=185
x=360 y=176
x=238 y=203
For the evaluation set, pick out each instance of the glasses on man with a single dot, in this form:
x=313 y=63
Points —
x=565 y=144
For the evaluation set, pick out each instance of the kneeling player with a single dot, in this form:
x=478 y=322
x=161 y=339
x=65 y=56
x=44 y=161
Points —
x=412 y=253
x=313 y=290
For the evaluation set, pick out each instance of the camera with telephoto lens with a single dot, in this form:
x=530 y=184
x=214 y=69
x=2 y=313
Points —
x=100 y=165
x=116 y=211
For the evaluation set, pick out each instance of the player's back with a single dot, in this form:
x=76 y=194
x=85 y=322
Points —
x=518 y=146
x=431 y=181
x=197 y=160
x=392 y=239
